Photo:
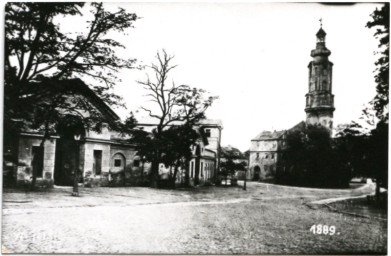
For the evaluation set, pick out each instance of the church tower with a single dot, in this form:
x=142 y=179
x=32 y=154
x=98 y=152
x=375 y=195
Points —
x=319 y=99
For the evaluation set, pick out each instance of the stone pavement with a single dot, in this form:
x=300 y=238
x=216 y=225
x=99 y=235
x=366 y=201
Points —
x=264 y=219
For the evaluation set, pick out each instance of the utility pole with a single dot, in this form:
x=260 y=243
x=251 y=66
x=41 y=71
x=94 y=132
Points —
x=76 y=173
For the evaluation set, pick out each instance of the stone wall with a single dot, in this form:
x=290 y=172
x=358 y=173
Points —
x=88 y=157
x=25 y=157
x=264 y=154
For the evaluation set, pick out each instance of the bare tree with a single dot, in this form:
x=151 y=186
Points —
x=177 y=104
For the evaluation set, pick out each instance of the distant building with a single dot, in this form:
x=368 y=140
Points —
x=206 y=153
x=267 y=148
x=264 y=153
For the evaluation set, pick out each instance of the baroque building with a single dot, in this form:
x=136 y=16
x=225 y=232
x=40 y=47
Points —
x=267 y=148
x=319 y=99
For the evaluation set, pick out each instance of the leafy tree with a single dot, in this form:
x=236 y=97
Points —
x=311 y=159
x=352 y=147
x=378 y=141
x=381 y=21
x=38 y=56
x=378 y=155
x=177 y=148
x=176 y=105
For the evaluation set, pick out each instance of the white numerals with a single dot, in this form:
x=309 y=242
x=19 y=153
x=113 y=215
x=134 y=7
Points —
x=322 y=229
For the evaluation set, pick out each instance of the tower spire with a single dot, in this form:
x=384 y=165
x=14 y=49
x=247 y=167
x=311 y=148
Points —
x=320 y=100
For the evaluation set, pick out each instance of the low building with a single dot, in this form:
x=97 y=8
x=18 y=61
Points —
x=101 y=157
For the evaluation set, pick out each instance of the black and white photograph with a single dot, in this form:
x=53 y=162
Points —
x=195 y=128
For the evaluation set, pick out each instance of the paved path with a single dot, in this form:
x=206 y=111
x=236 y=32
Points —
x=264 y=219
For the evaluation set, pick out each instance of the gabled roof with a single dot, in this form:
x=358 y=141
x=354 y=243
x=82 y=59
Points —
x=298 y=126
x=77 y=86
x=268 y=135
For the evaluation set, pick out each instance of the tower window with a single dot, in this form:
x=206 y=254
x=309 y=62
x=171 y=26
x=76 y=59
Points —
x=324 y=85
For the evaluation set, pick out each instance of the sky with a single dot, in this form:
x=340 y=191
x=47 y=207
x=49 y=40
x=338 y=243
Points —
x=253 y=56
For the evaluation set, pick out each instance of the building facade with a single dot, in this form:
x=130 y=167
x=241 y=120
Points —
x=102 y=158
x=265 y=152
x=205 y=161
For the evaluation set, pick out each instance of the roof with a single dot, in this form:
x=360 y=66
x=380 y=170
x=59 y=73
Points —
x=149 y=121
x=211 y=122
x=298 y=126
x=268 y=135
x=321 y=33
x=77 y=86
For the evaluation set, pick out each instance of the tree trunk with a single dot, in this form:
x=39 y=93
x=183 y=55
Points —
x=154 y=173
x=142 y=172
x=175 y=174
x=377 y=189
x=187 y=173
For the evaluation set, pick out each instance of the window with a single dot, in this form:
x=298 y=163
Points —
x=191 y=169
x=272 y=156
x=267 y=156
x=136 y=163
x=97 y=165
x=117 y=162
x=202 y=169
x=37 y=160
x=207 y=133
x=257 y=155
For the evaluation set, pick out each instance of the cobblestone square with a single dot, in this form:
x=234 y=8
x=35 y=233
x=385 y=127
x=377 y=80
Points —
x=264 y=219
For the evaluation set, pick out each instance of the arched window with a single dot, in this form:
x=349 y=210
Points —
x=117 y=162
x=136 y=161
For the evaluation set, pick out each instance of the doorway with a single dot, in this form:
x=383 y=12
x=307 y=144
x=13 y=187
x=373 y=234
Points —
x=257 y=173
x=67 y=156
